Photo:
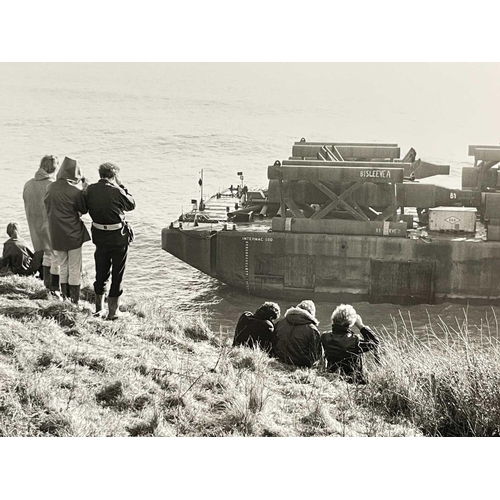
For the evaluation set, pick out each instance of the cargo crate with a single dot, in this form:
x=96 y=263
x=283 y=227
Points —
x=452 y=219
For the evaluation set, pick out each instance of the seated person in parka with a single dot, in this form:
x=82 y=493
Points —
x=343 y=348
x=17 y=257
x=257 y=330
x=297 y=339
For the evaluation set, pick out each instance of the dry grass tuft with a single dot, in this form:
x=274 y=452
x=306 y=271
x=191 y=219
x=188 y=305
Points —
x=111 y=394
x=158 y=373
x=144 y=427
x=64 y=313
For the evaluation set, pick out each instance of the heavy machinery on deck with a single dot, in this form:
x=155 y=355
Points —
x=354 y=222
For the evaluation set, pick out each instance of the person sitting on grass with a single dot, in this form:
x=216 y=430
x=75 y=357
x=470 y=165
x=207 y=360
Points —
x=343 y=348
x=17 y=257
x=297 y=339
x=257 y=330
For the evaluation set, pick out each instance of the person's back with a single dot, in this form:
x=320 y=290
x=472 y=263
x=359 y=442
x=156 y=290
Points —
x=65 y=203
x=343 y=348
x=107 y=200
x=297 y=339
x=38 y=223
x=33 y=196
x=257 y=330
x=16 y=257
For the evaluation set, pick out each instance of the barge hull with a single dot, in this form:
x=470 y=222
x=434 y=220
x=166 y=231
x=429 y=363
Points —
x=340 y=267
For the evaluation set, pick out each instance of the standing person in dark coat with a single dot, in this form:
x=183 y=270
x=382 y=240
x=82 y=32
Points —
x=257 y=330
x=33 y=195
x=65 y=203
x=107 y=201
x=343 y=348
x=297 y=339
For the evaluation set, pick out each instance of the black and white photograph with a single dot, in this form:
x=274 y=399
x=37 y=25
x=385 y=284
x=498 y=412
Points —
x=250 y=245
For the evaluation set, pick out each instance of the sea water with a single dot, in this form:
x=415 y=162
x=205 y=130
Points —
x=164 y=122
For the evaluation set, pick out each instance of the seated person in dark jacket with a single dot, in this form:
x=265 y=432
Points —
x=17 y=257
x=343 y=348
x=257 y=330
x=297 y=339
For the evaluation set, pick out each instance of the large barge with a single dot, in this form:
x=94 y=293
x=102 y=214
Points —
x=352 y=222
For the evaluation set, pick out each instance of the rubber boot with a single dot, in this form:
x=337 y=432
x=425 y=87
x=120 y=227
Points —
x=46 y=277
x=74 y=293
x=65 y=290
x=113 y=306
x=54 y=286
x=99 y=304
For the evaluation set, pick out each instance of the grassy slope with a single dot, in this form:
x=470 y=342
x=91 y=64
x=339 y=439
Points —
x=154 y=373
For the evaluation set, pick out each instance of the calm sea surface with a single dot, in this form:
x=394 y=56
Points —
x=162 y=123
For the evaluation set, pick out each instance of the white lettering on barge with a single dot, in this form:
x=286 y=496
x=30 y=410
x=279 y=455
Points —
x=255 y=238
x=384 y=174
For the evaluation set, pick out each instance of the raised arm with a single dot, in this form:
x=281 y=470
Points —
x=370 y=341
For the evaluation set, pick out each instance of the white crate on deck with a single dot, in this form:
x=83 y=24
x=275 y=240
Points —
x=452 y=219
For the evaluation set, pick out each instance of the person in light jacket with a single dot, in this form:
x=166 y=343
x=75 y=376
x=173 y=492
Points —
x=65 y=203
x=297 y=339
x=343 y=348
x=33 y=195
x=257 y=330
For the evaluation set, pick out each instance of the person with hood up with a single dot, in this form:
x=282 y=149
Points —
x=33 y=195
x=297 y=339
x=343 y=348
x=107 y=201
x=65 y=203
x=257 y=330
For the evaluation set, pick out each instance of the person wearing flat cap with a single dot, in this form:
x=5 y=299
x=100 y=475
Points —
x=65 y=203
x=107 y=200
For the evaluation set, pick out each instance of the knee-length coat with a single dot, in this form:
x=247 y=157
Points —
x=33 y=195
x=65 y=202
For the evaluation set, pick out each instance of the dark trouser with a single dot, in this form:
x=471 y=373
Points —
x=109 y=260
x=36 y=264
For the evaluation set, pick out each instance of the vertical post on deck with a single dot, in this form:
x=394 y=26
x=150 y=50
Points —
x=282 y=194
x=394 y=203
x=200 y=182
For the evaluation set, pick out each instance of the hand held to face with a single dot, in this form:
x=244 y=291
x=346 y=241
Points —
x=359 y=322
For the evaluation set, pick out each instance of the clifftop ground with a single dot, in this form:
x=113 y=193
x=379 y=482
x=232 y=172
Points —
x=155 y=373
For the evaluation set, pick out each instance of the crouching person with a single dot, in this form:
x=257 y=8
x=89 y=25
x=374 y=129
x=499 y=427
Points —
x=257 y=330
x=343 y=348
x=297 y=339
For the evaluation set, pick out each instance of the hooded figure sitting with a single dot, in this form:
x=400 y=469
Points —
x=343 y=348
x=257 y=330
x=297 y=339
x=65 y=202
